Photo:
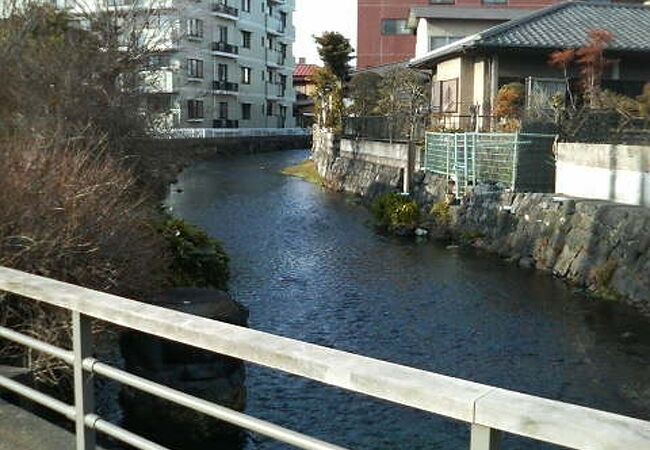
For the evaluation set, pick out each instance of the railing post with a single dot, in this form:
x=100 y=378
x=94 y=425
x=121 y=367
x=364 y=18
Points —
x=84 y=397
x=484 y=438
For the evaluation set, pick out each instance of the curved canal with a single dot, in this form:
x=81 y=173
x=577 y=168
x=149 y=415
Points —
x=308 y=265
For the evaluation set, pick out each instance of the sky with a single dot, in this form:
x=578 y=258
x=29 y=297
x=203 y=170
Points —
x=313 y=17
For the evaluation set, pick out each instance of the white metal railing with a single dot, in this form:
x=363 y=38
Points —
x=215 y=133
x=488 y=410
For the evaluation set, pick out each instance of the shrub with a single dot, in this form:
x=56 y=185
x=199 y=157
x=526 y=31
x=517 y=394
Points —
x=69 y=211
x=441 y=211
x=395 y=211
x=510 y=101
x=197 y=260
x=644 y=102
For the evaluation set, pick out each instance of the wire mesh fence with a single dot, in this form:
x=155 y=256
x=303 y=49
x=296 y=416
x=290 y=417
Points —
x=516 y=161
x=384 y=128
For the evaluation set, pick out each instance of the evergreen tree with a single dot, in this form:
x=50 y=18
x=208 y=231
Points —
x=336 y=52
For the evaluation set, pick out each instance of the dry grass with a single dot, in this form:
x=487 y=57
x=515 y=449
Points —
x=305 y=170
x=68 y=211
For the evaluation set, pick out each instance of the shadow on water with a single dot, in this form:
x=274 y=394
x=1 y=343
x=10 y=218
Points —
x=308 y=265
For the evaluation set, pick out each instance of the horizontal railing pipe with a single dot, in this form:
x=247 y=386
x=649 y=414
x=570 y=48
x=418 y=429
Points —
x=38 y=397
x=37 y=345
x=97 y=423
x=219 y=412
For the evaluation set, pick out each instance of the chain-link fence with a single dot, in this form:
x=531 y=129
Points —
x=516 y=161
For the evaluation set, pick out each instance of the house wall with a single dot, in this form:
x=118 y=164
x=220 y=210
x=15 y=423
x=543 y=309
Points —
x=620 y=173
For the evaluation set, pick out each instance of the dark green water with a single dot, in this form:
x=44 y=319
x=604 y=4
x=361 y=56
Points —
x=309 y=266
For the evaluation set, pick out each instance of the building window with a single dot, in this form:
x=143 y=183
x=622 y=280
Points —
x=222 y=72
x=440 y=41
x=246 y=75
x=195 y=109
x=391 y=27
x=444 y=96
x=495 y=2
x=195 y=68
x=223 y=34
x=195 y=28
x=269 y=108
x=269 y=73
x=223 y=110
x=246 y=5
x=246 y=39
x=442 y=2
x=246 y=111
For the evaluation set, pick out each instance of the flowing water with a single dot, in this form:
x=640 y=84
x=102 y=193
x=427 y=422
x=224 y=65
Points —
x=309 y=265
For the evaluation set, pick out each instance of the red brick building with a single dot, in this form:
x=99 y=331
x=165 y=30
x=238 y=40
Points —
x=383 y=34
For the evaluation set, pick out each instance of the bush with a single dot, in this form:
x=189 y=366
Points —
x=71 y=212
x=395 y=211
x=197 y=260
x=509 y=103
x=441 y=211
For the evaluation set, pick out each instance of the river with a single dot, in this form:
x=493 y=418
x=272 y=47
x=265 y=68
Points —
x=309 y=265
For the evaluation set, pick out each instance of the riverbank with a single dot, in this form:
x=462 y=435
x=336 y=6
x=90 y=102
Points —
x=600 y=246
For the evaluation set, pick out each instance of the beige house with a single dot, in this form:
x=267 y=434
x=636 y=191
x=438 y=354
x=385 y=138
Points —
x=468 y=73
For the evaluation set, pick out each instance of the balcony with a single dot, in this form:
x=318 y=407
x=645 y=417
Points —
x=224 y=49
x=225 y=11
x=160 y=81
x=275 y=90
x=225 y=88
x=275 y=26
x=275 y=59
x=225 y=123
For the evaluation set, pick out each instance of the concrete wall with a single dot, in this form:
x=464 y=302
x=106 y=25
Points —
x=385 y=153
x=619 y=173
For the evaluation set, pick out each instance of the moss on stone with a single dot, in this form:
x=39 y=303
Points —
x=306 y=170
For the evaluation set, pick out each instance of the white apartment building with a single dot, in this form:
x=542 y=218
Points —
x=217 y=63
x=230 y=65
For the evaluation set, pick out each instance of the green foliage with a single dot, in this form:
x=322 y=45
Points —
x=396 y=211
x=644 y=102
x=441 y=212
x=336 y=52
x=197 y=259
x=364 y=93
x=328 y=100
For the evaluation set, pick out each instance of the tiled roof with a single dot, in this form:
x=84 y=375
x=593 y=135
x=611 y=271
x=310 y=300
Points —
x=567 y=25
x=305 y=70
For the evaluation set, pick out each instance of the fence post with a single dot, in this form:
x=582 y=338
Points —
x=84 y=398
x=515 y=164
x=484 y=438
x=466 y=179
x=456 y=165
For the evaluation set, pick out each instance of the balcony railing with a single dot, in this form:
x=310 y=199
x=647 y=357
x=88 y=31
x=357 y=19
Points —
x=224 y=47
x=222 y=8
x=226 y=86
x=487 y=410
x=225 y=123
x=275 y=25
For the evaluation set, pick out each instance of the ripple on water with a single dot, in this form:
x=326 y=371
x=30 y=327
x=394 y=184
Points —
x=309 y=266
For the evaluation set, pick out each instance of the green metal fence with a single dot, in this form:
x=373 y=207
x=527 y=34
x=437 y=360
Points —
x=518 y=161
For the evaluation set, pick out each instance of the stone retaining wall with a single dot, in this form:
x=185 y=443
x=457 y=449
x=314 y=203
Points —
x=602 y=246
x=599 y=245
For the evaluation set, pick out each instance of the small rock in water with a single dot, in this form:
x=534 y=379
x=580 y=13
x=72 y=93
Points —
x=527 y=263
x=421 y=232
